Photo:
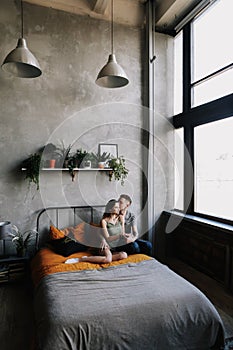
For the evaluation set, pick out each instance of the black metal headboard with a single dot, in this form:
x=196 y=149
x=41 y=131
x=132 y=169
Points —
x=65 y=216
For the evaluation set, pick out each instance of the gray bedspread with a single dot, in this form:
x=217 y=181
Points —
x=132 y=306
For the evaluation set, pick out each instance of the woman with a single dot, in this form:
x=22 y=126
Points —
x=113 y=232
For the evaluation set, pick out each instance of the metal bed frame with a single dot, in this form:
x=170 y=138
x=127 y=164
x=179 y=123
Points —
x=84 y=209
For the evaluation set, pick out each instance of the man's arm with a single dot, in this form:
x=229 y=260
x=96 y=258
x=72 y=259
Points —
x=134 y=232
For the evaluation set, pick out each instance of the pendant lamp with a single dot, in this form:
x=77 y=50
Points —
x=112 y=74
x=20 y=62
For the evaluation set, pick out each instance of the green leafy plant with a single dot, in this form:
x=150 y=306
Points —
x=76 y=160
x=38 y=159
x=21 y=240
x=32 y=165
x=59 y=153
x=66 y=156
x=79 y=156
x=99 y=158
x=119 y=172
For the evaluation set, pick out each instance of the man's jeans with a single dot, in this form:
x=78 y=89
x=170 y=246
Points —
x=140 y=246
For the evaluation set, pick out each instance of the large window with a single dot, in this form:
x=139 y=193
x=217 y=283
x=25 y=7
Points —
x=213 y=164
x=206 y=117
x=212 y=55
x=179 y=168
x=178 y=73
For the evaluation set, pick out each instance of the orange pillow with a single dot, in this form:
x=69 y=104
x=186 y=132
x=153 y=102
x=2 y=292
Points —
x=73 y=232
x=55 y=233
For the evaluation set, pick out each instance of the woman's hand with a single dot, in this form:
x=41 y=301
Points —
x=128 y=238
x=104 y=245
x=122 y=219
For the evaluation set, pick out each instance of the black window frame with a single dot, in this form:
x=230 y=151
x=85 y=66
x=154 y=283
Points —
x=194 y=116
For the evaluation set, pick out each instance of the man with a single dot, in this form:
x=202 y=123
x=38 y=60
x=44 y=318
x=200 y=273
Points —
x=133 y=244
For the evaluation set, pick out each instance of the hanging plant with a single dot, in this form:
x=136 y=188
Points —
x=32 y=165
x=76 y=161
x=119 y=172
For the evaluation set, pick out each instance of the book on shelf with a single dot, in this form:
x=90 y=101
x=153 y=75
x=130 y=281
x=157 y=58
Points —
x=16 y=264
x=3 y=281
x=15 y=269
x=4 y=268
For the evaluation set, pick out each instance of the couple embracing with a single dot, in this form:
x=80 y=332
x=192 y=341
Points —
x=120 y=234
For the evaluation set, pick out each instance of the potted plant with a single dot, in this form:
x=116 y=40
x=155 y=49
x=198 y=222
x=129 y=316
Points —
x=99 y=160
x=49 y=155
x=61 y=154
x=38 y=159
x=21 y=240
x=79 y=157
x=54 y=156
x=119 y=171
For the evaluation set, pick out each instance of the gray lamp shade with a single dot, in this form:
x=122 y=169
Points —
x=112 y=74
x=21 y=62
x=5 y=229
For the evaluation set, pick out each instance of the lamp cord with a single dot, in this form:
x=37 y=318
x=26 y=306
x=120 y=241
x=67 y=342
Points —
x=22 y=28
x=112 y=26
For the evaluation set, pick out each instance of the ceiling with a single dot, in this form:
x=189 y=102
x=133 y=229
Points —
x=129 y=12
x=168 y=13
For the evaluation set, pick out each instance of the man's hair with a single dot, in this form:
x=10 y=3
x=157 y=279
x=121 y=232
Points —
x=125 y=196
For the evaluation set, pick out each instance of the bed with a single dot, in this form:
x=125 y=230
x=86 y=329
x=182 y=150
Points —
x=136 y=303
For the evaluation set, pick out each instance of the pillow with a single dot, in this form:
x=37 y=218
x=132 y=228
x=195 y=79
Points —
x=67 y=246
x=73 y=232
x=55 y=233
x=75 y=239
x=69 y=240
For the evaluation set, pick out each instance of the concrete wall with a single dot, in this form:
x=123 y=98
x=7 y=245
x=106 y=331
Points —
x=164 y=131
x=164 y=135
x=66 y=104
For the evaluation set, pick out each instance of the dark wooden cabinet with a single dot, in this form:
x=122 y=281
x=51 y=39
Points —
x=208 y=248
x=13 y=269
x=201 y=251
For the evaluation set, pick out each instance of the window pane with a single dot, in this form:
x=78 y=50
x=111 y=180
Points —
x=179 y=168
x=213 y=166
x=216 y=87
x=178 y=73
x=212 y=39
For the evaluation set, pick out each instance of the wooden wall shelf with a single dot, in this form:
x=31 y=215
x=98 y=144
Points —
x=75 y=169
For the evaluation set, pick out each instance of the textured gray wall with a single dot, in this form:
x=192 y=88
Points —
x=66 y=104
x=164 y=174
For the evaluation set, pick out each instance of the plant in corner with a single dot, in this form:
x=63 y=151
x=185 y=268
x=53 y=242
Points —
x=119 y=171
x=21 y=240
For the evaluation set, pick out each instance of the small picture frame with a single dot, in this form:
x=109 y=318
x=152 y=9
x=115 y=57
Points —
x=111 y=148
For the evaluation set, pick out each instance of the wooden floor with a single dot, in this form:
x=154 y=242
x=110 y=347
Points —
x=221 y=298
x=16 y=316
x=16 y=310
